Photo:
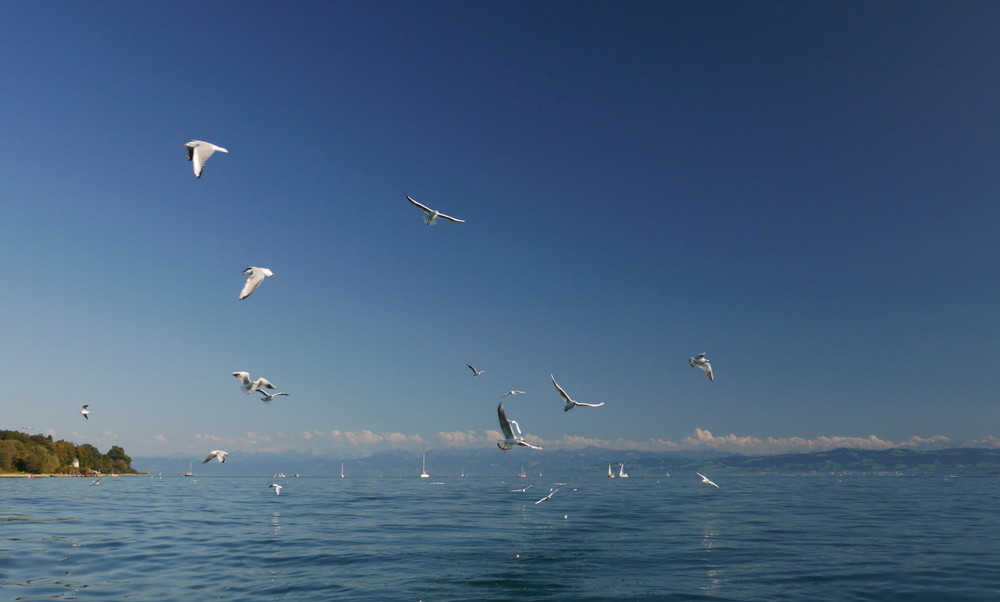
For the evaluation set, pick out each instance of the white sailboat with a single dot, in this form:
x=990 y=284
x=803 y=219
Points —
x=189 y=473
x=423 y=468
x=342 y=470
x=621 y=471
x=611 y=475
x=522 y=475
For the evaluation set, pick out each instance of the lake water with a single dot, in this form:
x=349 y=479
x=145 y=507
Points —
x=755 y=538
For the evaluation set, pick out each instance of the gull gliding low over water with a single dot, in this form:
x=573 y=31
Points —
x=249 y=386
x=276 y=487
x=552 y=492
x=431 y=215
x=570 y=403
x=707 y=480
x=510 y=440
x=217 y=454
x=700 y=361
x=85 y=411
x=198 y=151
x=256 y=276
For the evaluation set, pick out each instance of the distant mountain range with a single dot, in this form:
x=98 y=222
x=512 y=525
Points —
x=490 y=462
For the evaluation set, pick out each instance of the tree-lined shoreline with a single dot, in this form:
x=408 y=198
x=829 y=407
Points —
x=39 y=455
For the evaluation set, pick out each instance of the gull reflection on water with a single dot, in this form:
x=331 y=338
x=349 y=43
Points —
x=713 y=574
x=276 y=523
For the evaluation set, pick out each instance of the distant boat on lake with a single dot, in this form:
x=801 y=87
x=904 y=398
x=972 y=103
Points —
x=342 y=470
x=611 y=475
x=522 y=475
x=189 y=473
x=423 y=468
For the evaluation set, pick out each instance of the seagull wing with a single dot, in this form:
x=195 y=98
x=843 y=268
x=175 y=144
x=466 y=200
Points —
x=504 y=423
x=425 y=208
x=708 y=371
x=209 y=458
x=565 y=397
x=526 y=444
x=589 y=405
x=263 y=382
x=450 y=218
x=198 y=155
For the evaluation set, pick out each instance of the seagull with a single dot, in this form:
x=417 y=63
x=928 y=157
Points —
x=277 y=488
x=198 y=152
x=510 y=440
x=249 y=386
x=512 y=393
x=707 y=480
x=570 y=403
x=85 y=411
x=524 y=489
x=256 y=276
x=475 y=372
x=433 y=215
x=552 y=492
x=218 y=454
x=98 y=481
x=700 y=361
x=269 y=397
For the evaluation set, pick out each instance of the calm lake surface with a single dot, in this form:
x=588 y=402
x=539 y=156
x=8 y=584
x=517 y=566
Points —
x=643 y=538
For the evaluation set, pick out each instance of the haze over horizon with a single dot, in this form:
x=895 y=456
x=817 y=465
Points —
x=807 y=192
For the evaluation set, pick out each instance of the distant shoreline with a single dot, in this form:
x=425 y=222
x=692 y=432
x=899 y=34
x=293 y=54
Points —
x=22 y=475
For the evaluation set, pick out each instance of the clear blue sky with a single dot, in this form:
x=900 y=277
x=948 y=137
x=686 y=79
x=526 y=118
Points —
x=805 y=191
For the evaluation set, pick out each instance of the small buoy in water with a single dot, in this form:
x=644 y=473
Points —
x=565 y=516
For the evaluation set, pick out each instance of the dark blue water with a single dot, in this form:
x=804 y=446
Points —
x=756 y=538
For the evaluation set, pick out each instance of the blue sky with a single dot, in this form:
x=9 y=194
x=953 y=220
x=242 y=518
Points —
x=805 y=191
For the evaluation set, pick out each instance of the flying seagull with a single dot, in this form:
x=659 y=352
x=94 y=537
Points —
x=256 y=276
x=552 y=492
x=432 y=215
x=509 y=439
x=85 y=411
x=216 y=454
x=475 y=372
x=249 y=386
x=524 y=489
x=707 y=480
x=98 y=481
x=277 y=488
x=198 y=152
x=269 y=397
x=700 y=361
x=512 y=393
x=570 y=403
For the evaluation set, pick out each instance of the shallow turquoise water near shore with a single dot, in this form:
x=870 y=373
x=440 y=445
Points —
x=755 y=538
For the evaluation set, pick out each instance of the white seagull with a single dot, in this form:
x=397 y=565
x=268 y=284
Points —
x=510 y=440
x=269 y=397
x=85 y=411
x=256 y=276
x=249 y=386
x=707 y=480
x=552 y=492
x=512 y=393
x=475 y=372
x=570 y=403
x=523 y=490
x=216 y=454
x=98 y=481
x=432 y=215
x=277 y=488
x=198 y=152
x=700 y=361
